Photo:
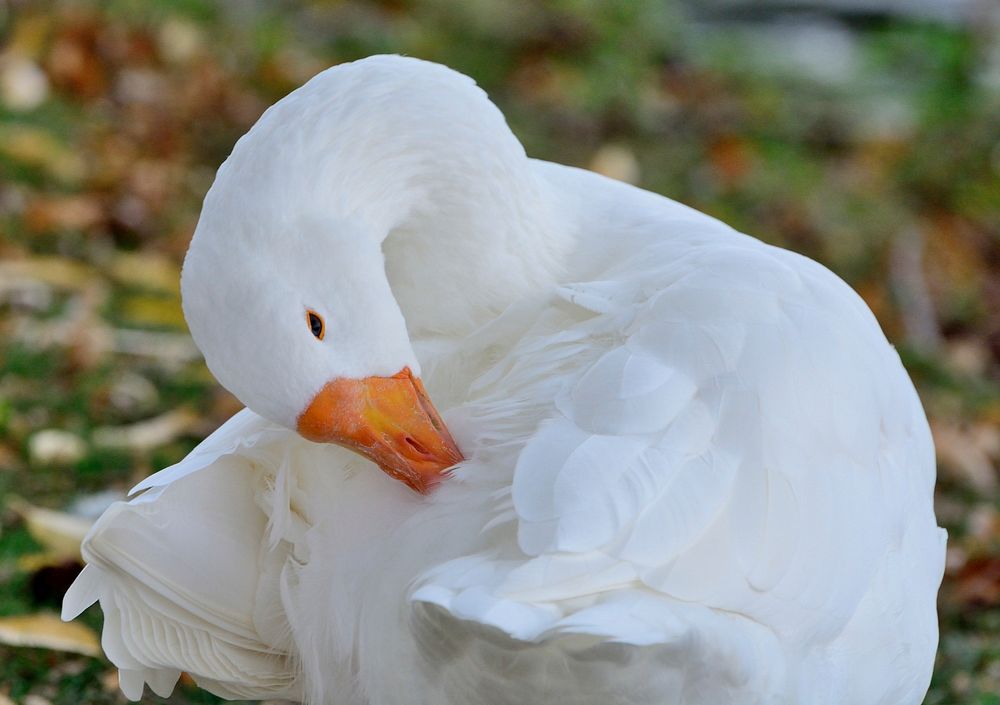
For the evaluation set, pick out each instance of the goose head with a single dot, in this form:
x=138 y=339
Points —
x=386 y=164
x=310 y=336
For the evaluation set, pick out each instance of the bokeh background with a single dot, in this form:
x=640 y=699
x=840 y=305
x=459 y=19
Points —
x=863 y=133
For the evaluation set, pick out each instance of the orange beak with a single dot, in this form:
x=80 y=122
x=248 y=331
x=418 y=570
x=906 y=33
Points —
x=390 y=421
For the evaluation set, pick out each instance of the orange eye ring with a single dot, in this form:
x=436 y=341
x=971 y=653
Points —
x=316 y=324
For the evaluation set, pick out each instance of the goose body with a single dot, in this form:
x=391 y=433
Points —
x=695 y=472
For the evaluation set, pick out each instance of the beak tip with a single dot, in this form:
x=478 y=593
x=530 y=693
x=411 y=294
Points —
x=427 y=478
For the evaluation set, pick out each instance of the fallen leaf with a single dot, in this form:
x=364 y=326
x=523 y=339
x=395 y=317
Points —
x=133 y=395
x=60 y=533
x=968 y=356
x=58 y=272
x=179 y=41
x=968 y=451
x=38 y=148
x=983 y=523
x=23 y=84
x=148 y=271
x=978 y=583
x=47 y=631
x=617 y=162
x=63 y=213
x=74 y=62
x=109 y=681
x=730 y=157
x=28 y=36
x=53 y=446
x=955 y=558
x=153 y=311
x=953 y=262
x=149 y=434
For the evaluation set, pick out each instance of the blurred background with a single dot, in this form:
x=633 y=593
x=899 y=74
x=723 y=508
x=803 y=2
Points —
x=862 y=133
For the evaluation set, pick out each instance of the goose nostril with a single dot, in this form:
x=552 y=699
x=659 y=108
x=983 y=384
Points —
x=415 y=445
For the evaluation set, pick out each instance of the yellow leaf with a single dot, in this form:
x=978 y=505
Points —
x=47 y=631
x=148 y=271
x=60 y=533
x=40 y=148
x=142 y=310
x=34 y=562
x=58 y=272
x=29 y=35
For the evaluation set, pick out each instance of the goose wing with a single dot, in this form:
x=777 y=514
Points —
x=731 y=495
x=186 y=577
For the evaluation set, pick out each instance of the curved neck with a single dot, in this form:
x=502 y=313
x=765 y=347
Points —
x=472 y=247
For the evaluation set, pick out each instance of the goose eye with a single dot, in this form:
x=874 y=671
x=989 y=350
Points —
x=316 y=324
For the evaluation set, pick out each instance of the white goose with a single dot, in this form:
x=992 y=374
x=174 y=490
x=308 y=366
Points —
x=694 y=470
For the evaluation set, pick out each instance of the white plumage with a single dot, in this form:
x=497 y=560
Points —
x=696 y=472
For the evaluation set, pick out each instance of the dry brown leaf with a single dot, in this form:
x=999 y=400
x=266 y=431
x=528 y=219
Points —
x=63 y=213
x=149 y=434
x=982 y=524
x=58 y=532
x=978 y=583
x=10 y=460
x=47 y=631
x=110 y=682
x=955 y=558
x=74 y=63
x=954 y=262
x=968 y=356
x=968 y=451
x=731 y=158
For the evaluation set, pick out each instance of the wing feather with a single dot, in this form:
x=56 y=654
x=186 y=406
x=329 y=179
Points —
x=178 y=572
x=713 y=478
